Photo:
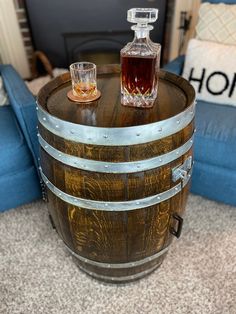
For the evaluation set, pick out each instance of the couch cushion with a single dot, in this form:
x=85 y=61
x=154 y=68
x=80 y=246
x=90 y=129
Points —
x=19 y=188
x=213 y=182
x=24 y=106
x=215 y=139
x=15 y=154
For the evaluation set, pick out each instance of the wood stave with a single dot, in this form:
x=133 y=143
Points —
x=118 y=153
x=109 y=187
x=108 y=228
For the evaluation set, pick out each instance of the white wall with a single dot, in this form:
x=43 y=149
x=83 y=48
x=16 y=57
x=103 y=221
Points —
x=11 y=42
x=191 y=6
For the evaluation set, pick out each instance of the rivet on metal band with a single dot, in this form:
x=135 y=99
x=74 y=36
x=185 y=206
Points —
x=116 y=136
x=119 y=265
x=115 y=206
x=116 y=167
x=121 y=278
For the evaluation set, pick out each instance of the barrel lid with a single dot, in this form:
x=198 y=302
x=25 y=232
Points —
x=175 y=95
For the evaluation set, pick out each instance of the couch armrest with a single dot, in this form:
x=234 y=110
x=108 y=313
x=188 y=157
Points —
x=24 y=105
x=176 y=66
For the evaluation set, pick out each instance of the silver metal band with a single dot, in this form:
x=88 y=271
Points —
x=116 y=136
x=116 y=167
x=115 y=206
x=118 y=265
x=121 y=278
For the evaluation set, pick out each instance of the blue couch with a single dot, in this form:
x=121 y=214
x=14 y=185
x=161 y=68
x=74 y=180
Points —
x=214 y=174
x=19 y=180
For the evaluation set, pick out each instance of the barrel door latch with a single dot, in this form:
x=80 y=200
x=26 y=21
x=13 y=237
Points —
x=181 y=172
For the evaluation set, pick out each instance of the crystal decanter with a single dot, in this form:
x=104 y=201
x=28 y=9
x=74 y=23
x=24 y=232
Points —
x=140 y=61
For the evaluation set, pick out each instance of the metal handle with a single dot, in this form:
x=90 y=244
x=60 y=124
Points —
x=177 y=232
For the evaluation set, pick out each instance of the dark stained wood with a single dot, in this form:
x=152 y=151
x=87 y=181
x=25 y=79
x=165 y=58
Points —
x=178 y=203
x=106 y=113
x=106 y=186
x=175 y=94
x=59 y=212
x=112 y=237
x=98 y=231
x=107 y=236
x=119 y=153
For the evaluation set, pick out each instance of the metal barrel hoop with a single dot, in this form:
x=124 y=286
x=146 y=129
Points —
x=116 y=136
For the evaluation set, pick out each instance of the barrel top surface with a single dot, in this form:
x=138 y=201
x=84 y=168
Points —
x=175 y=95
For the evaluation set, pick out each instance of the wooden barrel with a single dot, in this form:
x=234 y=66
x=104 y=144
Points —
x=117 y=177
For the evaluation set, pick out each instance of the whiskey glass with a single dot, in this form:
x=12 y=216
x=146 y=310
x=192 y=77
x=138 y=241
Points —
x=84 y=81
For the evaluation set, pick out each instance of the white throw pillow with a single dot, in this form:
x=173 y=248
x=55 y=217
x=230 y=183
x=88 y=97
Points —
x=217 y=22
x=3 y=96
x=211 y=69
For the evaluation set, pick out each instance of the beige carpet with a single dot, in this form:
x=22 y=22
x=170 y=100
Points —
x=37 y=275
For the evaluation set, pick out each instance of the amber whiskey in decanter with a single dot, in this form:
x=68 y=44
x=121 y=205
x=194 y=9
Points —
x=140 y=61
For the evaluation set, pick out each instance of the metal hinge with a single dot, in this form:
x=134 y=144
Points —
x=42 y=184
x=44 y=191
x=181 y=172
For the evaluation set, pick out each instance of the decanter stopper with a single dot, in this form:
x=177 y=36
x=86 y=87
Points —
x=142 y=16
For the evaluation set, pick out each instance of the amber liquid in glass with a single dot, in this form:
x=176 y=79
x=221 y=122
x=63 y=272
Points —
x=138 y=75
x=82 y=89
